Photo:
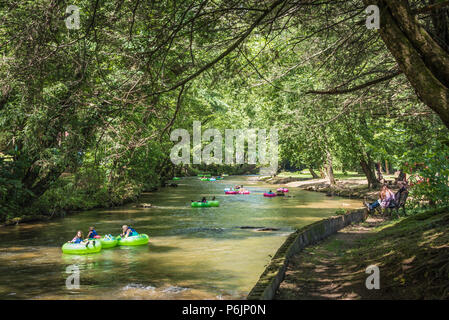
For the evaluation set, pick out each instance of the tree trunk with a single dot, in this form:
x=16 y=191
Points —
x=38 y=185
x=322 y=174
x=379 y=171
x=387 y=170
x=440 y=22
x=329 y=169
x=369 y=173
x=401 y=176
x=419 y=56
x=313 y=173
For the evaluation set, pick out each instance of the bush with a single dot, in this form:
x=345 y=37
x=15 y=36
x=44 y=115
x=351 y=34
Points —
x=12 y=191
x=429 y=174
x=340 y=212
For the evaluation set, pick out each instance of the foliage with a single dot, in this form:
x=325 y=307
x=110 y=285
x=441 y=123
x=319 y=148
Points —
x=429 y=170
x=98 y=104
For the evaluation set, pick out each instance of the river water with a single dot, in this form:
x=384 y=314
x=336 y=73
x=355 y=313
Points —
x=194 y=253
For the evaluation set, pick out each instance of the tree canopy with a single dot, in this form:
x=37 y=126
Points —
x=98 y=103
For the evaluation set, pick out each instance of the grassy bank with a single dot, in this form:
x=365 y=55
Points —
x=412 y=254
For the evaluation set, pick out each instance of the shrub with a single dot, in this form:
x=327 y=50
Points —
x=429 y=174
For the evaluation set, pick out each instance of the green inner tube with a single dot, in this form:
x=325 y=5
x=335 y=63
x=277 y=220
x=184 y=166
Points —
x=204 y=179
x=206 y=204
x=93 y=246
x=108 y=243
x=175 y=178
x=133 y=240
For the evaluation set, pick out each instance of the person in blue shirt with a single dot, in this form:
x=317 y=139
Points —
x=92 y=233
x=128 y=231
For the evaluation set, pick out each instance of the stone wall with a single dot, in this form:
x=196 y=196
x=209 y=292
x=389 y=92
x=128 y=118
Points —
x=271 y=278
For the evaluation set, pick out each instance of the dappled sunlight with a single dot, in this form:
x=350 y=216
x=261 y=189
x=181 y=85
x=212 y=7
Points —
x=429 y=238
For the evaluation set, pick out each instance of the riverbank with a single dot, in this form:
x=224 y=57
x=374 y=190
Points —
x=59 y=213
x=67 y=197
x=354 y=187
x=411 y=253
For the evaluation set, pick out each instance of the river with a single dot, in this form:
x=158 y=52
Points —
x=194 y=253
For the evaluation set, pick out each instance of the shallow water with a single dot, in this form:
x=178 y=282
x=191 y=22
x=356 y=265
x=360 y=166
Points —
x=194 y=253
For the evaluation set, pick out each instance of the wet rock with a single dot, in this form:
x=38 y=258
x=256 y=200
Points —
x=250 y=227
x=144 y=205
x=138 y=286
x=259 y=228
x=174 y=289
x=268 y=229
x=201 y=229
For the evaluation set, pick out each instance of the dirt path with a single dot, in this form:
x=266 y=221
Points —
x=321 y=272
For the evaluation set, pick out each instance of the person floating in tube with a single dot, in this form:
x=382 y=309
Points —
x=280 y=193
x=128 y=232
x=92 y=233
x=202 y=200
x=78 y=237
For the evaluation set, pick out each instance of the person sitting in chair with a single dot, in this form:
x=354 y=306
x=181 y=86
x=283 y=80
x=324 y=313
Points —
x=401 y=195
x=386 y=196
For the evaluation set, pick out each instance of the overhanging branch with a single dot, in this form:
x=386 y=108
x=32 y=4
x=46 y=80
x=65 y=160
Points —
x=226 y=52
x=356 y=88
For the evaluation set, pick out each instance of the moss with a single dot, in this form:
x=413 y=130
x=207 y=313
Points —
x=412 y=254
x=335 y=246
